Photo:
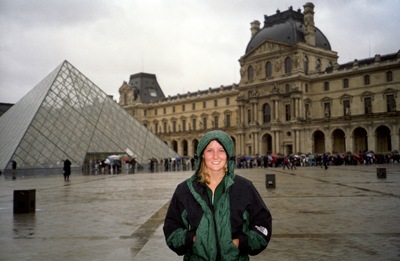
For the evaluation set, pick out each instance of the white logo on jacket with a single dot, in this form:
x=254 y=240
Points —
x=262 y=230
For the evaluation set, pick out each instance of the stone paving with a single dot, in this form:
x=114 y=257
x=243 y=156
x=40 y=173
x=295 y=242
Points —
x=343 y=213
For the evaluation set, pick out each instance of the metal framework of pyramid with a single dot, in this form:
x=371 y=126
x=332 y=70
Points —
x=68 y=116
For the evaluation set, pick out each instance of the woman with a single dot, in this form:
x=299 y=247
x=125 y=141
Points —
x=215 y=214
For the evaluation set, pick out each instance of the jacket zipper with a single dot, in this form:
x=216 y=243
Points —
x=218 y=257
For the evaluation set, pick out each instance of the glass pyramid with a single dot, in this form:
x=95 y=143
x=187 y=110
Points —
x=68 y=116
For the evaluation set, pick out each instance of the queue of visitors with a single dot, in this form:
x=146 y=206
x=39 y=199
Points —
x=292 y=161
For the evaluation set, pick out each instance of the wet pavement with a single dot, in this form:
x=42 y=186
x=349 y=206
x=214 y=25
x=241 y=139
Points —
x=343 y=213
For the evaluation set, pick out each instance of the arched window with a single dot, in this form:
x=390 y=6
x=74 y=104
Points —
x=250 y=73
x=288 y=65
x=305 y=64
x=266 y=113
x=268 y=69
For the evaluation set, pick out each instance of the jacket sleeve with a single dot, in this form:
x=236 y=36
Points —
x=257 y=233
x=177 y=231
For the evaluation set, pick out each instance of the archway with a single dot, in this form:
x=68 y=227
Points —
x=174 y=145
x=360 y=140
x=266 y=144
x=319 y=142
x=338 y=141
x=184 y=148
x=195 y=143
x=383 y=140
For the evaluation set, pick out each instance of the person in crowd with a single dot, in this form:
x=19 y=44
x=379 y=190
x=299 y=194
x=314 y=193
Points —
x=14 y=169
x=67 y=169
x=216 y=214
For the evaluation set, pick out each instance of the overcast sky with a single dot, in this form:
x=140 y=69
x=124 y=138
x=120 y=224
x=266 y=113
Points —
x=189 y=45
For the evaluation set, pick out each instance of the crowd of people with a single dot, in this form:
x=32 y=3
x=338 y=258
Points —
x=292 y=161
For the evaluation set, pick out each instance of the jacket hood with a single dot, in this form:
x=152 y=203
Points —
x=225 y=140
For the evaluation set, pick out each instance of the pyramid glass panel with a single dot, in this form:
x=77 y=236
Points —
x=68 y=116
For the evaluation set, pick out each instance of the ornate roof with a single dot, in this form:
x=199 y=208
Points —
x=286 y=27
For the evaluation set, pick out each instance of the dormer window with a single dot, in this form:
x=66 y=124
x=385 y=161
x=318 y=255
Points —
x=152 y=93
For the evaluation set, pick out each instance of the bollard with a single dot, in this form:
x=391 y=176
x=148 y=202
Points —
x=270 y=181
x=381 y=173
x=24 y=201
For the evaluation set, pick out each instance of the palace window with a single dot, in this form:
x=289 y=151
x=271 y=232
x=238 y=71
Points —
x=346 y=107
x=193 y=106
x=194 y=124
x=367 y=80
x=144 y=112
x=367 y=105
x=327 y=109
x=250 y=73
x=155 y=111
x=173 y=109
x=156 y=127
x=215 y=122
x=215 y=103
x=305 y=64
x=248 y=116
x=227 y=101
x=228 y=120
x=204 y=104
x=165 y=127
x=287 y=88
x=183 y=125
x=268 y=69
x=287 y=112
x=174 y=126
x=389 y=76
x=165 y=110
x=183 y=107
x=288 y=65
x=345 y=83
x=390 y=103
x=204 y=123
x=266 y=113
x=326 y=86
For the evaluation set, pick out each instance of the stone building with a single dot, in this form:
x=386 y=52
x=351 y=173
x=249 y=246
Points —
x=293 y=97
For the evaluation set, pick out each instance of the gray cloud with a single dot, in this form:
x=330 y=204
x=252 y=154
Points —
x=188 y=44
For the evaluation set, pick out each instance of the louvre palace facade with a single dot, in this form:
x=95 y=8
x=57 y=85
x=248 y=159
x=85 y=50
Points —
x=293 y=97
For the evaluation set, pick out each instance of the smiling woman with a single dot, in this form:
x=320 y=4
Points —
x=216 y=214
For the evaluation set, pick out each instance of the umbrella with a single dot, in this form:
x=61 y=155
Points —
x=357 y=156
x=114 y=157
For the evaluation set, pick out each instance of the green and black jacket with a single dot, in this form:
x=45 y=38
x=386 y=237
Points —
x=239 y=213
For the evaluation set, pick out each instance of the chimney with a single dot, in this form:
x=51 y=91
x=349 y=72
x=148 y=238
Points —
x=309 y=33
x=255 y=27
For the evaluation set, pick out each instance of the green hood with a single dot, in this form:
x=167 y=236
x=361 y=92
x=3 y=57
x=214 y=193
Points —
x=225 y=140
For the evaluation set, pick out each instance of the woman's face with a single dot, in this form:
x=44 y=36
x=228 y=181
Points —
x=214 y=156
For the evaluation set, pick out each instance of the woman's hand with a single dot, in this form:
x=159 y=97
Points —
x=236 y=242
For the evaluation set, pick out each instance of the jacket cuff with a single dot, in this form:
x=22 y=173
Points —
x=189 y=238
x=243 y=243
